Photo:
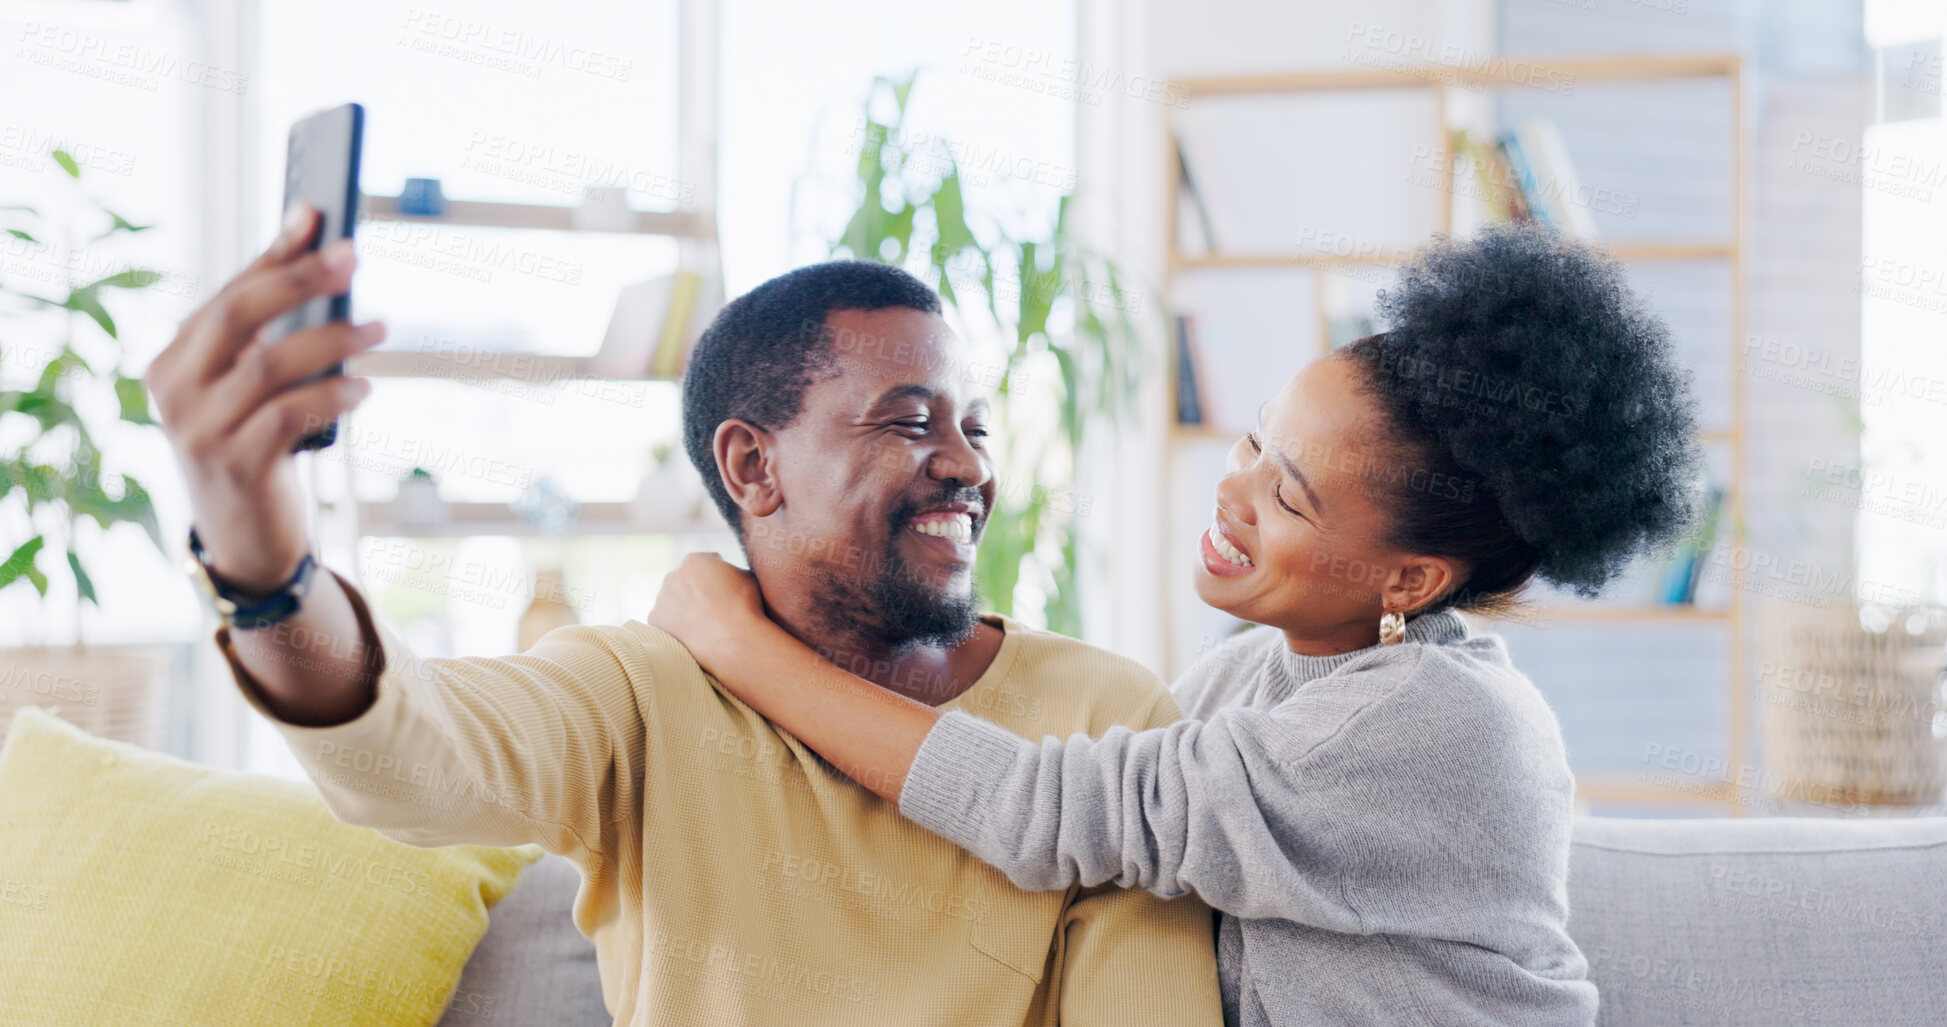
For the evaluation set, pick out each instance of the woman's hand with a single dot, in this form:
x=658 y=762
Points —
x=717 y=612
x=711 y=607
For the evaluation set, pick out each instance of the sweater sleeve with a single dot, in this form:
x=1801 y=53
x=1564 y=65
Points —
x=544 y=747
x=1171 y=810
x=1365 y=802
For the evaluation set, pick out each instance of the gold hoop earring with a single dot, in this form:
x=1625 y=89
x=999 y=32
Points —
x=1392 y=628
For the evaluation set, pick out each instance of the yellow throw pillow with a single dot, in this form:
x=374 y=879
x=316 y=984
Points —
x=139 y=888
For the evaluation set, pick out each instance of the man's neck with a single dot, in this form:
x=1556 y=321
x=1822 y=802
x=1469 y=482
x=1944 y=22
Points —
x=932 y=674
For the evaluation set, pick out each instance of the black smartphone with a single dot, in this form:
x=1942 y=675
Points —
x=321 y=168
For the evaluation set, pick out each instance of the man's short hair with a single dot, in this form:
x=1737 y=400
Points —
x=760 y=353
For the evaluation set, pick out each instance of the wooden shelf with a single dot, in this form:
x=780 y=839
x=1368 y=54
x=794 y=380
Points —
x=1620 y=250
x=1180 y=432
x=1301 y=260
x=681 y=224
x=469 y=519
x=533 y=368
x=1202 y=433
x=1677 y=250
x=1431 y=74
x=1603 y=613
x=1623 y=788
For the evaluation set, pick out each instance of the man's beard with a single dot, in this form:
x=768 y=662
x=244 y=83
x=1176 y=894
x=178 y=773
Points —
x=898 y=605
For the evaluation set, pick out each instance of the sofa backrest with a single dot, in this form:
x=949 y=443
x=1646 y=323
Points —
x=533 y=965
x=1762 y=920
x=1712 y=921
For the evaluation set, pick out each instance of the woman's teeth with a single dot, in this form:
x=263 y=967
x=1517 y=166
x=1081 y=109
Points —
x=1226 y=550
x=958 y=528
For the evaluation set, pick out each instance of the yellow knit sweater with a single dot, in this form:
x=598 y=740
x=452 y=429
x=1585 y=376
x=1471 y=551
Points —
x=731 y=876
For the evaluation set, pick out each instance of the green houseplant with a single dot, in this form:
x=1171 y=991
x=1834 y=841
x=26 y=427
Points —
x=1052 y=303
x=64 y=338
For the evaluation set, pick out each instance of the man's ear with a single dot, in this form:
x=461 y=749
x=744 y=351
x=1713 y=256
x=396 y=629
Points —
x=745 y=455
x=1419 y=582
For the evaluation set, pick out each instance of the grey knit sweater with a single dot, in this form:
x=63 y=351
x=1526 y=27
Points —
x=1385 y=832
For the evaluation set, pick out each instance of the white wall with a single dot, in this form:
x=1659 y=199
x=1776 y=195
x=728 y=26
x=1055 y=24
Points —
x=1122 y=161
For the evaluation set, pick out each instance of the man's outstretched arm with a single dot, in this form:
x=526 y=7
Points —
x=543 y=747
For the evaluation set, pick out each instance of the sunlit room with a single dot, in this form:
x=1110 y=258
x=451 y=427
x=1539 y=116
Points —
x=734 y=512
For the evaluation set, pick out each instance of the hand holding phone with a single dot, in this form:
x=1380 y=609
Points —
x=321 y=170
x=234 y=407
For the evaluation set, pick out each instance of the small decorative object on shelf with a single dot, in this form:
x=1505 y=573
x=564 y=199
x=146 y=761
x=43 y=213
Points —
x=670 y=493
x=602 y=209
x=422 y=197
x=548 y=611
x=546 y=507
x=418 y=505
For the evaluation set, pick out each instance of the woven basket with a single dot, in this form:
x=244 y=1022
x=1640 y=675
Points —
x=1849 y=714
x=117 y=691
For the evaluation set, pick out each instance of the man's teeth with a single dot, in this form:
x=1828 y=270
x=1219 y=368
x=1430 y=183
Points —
x=1226 y=550
x=958 y=528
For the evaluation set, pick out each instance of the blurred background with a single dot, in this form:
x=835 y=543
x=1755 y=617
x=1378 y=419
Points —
x=1145 y=217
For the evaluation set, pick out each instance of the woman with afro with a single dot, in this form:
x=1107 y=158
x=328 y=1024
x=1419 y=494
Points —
x=1372 y=796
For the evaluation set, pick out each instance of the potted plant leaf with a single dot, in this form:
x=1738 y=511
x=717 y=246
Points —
x=62 y=360
x=1061 y=310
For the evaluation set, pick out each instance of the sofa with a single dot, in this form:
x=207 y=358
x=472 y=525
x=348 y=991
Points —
x=1724 y=922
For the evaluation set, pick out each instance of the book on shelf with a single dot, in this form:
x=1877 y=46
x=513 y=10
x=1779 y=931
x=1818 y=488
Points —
x=655 y=324
x=1551 y=186
x=1526 y=173
x=1192 y=213
x=1685 y=567
x=1521 y=175
x=1189 y=395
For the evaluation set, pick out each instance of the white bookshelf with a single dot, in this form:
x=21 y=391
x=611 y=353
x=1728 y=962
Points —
x=344 y=520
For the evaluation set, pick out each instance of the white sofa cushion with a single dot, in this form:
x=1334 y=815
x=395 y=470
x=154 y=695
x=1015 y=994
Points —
x=1763 y=920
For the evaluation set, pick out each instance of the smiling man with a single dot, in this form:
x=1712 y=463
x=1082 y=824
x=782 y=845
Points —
x=730 y=876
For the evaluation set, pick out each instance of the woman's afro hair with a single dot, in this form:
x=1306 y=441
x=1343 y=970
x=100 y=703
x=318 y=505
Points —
x=1524 y=356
